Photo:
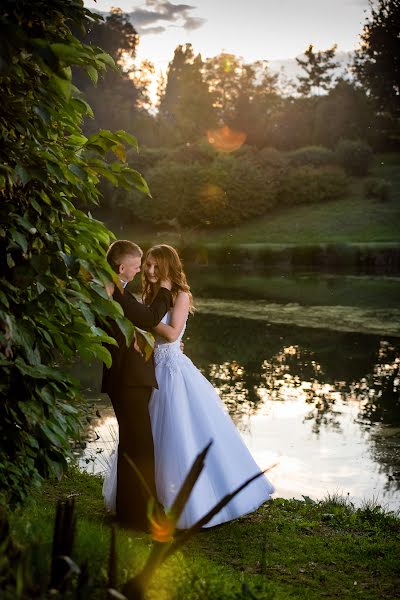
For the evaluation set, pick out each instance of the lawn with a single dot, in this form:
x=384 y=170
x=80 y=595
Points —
x=287 y=549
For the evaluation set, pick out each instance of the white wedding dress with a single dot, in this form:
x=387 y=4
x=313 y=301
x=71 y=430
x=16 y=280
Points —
x=186 y=413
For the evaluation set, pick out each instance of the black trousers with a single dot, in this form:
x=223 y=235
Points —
x=131 y=407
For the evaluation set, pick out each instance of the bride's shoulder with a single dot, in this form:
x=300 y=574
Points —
x=183 y=296
x=182 y=299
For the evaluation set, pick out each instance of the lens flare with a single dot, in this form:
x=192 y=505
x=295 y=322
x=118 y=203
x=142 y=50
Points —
x=162 y=528
x=212 y=192
x=226 y=139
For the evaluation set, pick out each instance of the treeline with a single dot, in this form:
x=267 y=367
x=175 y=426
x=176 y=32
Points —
x=198 y=95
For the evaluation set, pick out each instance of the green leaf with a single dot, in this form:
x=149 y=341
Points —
x=44 y=114
x=106 y=59
x=92 y=72
x=51 y=435
x=67 y=53
x=127 y=137
x=19 y=238
x=76 y=170
x=102 y=353
x=127 y=329
x=63 y=85
x=23 y=175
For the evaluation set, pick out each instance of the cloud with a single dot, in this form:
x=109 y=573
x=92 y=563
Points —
x=160 y=14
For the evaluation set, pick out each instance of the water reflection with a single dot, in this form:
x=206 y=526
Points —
x=324 y=405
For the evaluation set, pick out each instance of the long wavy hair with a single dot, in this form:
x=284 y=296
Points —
x=169 y=267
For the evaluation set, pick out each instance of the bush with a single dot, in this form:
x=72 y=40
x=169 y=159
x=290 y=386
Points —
x=315 y=156
x=355 y=156
x=272 y=158
x=377 y=189
x=301 y=185
x=224 y=193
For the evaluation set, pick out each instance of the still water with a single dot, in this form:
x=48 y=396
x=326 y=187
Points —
x=322 y=405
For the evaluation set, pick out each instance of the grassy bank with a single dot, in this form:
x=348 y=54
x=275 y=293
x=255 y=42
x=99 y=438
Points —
x=287 y=549
x=352 y=219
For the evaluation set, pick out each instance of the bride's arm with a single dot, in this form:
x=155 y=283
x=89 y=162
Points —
x=178 y=319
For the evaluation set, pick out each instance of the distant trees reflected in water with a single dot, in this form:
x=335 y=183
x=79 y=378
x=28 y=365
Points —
x=250 y=361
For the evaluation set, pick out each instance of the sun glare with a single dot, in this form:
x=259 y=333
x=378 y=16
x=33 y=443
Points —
x=226 y=139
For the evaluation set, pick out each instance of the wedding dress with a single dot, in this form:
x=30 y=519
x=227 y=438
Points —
x=186 y=413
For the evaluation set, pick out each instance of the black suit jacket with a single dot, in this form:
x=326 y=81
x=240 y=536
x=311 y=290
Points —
x=129 y=369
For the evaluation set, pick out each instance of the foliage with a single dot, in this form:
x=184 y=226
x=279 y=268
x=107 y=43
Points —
x=224 y=191
x=346 y=112
x=307 y=184
x=355 y=156
x=317 y=67
x=377 y=188
x=121 y=93
x=53 y=298
x=316 y=156
x=187 y=102
x=377 y=63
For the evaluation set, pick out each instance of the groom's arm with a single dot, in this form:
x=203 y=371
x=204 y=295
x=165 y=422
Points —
x=145 y=317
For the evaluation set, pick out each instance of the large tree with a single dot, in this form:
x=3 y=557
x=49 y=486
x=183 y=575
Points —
x=120 y=93
x=186 y=102
x=377 y=61
x=53 y=269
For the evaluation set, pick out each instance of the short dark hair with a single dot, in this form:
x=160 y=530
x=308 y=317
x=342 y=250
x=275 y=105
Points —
x=119 y=249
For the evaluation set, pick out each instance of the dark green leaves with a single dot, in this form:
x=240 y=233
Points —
x=53 y=298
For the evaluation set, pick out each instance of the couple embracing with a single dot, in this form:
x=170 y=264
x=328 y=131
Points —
x=167 y=412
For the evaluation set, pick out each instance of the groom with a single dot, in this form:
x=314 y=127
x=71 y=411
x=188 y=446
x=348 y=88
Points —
x=129 y=383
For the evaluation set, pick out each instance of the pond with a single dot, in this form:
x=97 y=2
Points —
x=320 y=403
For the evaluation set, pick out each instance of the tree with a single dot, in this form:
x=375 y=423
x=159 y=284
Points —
x=121 y=92
x=257 y=99
x=223 y=74
x=345 y=112
x=377 y=61
x=318 y=67
x=187 y=103
x=53 y=299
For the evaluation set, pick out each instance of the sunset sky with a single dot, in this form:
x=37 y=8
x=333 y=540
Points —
x=255 y=29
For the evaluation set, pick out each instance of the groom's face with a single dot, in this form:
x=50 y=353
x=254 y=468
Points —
x=129 y=267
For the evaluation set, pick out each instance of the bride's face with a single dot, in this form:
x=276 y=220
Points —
x=151 y=270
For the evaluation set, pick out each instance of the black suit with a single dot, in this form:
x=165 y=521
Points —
x=129 y=383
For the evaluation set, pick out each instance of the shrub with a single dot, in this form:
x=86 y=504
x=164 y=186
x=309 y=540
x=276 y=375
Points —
x=271 y=158
x=224 y=193
x=301 y=185
x=315 y=156
x=377 y=189
x=355 y=156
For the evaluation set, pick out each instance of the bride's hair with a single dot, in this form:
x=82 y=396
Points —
x=169 y=267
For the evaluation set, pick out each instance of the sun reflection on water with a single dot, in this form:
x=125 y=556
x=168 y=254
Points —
x=327 y=433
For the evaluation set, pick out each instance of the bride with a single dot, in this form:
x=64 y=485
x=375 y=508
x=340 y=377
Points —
x=186 y=413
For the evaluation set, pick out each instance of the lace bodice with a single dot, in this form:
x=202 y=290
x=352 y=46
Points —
x=169 y=353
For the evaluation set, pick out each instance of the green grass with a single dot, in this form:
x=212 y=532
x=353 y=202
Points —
x=352 y=219
x=287 y=549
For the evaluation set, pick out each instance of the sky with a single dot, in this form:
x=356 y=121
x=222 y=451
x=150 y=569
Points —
x=255 y=29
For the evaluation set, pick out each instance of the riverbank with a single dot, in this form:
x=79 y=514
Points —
x=377 y=321
x=287 y=549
